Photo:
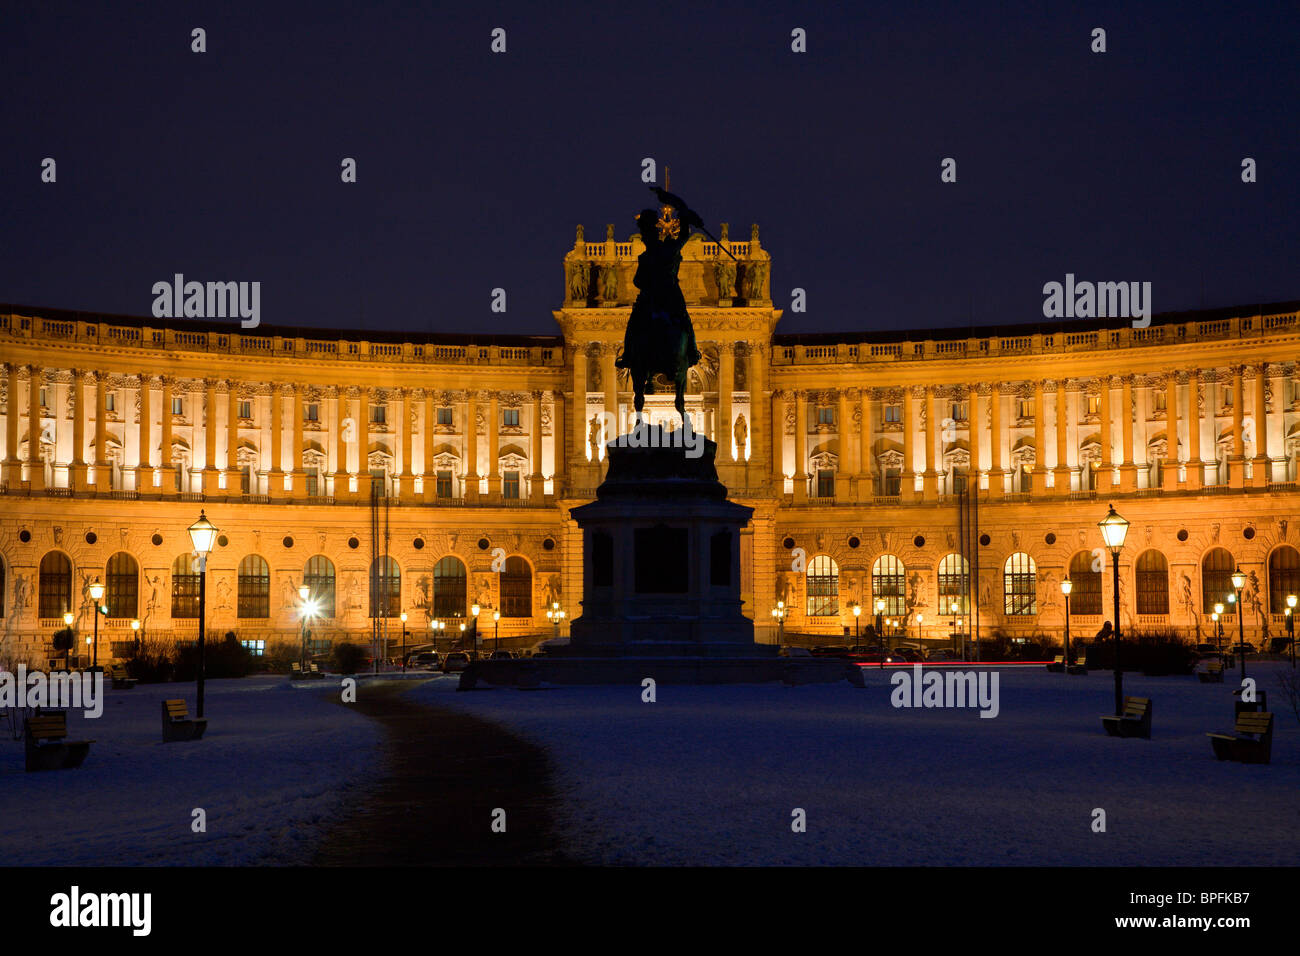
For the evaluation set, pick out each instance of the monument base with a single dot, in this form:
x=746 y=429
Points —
x=533 y=673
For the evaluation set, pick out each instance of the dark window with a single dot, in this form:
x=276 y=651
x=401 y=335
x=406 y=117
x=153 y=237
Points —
x=825 y=415
x=823 y=586
x=122 y=586
x=825 y=483
x=311 y=412
x=720 y=559
x=954 y=584
x=444 y=483
x=1085 y=596
x=254 y=587
x=510 y=484
x=245 y=409
x=55 y=585
x=1152 y=583
x=444 y=415
x=385 y=588
x=516 y=588
x=378 y=414
x=510 y=417
x=1020 y=585
x=449 y=588
x=185 y=586
x=313 y=482
x=319 y=578
x=602 y=560
x=1216 y=579
x=1283 y=577
x=893 y=482
x=662 y=562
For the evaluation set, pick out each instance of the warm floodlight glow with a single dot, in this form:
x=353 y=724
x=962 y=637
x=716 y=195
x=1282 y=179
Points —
x=1114 y=529
x=1238 y=578
x=67 y=618
x=474 y=609
x=1290 y=600
x=203 y=534
x=1067 y=586
x=1218 y=608
x=96 y=591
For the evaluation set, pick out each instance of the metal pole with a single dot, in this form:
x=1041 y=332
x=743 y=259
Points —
x=94 y=651
x=1241 y=633
x=203 y=593
x=1119 y=674
x=1068 y=659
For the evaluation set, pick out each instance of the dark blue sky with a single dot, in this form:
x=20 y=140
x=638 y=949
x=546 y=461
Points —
x=474 y=168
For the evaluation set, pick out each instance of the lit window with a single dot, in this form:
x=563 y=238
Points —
x=889 y=582
x=256 y=648
x=1020 y=585
x=823 y=586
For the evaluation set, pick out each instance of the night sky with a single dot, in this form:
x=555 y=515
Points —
x=474 y=168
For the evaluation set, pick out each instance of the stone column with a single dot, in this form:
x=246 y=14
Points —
x=232 y=440
x=536 y=486
x=801 y=446
x=580 y=407
x=275 y=482
x=428 y=434
x=997 y=476
x=342 y=405
x=1262 y=469
x=777 y=432
x=1038 y=481
x=35 y=467
x=759 y=427
x=1195 y=470
x=102 y=478
x=1107 y=458
x=144 y=471
x=1237 y=464
x=866 y=463
x=930 y=478
x=609 y=380
x=848 y=458
x=166 y=441
x=1127 y=469
x=1171 y=431
x=363 y=444
x=908 y=481
x=1061 y=476
x=494 y=446
x=471 y=447
x=406 y=479
x=298 y=477
x=726 y=381
x=976 y=401
x=557 y=443
x=13 y=467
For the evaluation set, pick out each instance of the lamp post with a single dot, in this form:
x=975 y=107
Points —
x=496 y=631
x=474 y=609
x=304 y=592
x=1239 y=582
x=920 y=619
x=203 y=535
x=135 y=633
x=778 y=614
x=403 y=618
x=1113 y=531
x=1217 y=617
x=880 y=629
x=857 y=619
x=96 y=594
x=1290 y=624
x=1066 y=587
x=952 y=609
x=67 y=622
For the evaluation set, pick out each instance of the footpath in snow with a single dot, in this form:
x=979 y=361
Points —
x=711 y=775
x=278 y=764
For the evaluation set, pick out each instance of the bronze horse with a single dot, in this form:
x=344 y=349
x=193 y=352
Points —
x=660 y=338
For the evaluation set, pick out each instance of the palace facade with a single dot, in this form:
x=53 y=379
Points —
x=420 y=474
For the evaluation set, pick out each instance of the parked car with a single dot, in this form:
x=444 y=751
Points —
x=423 y=660
x=501 y=656
x=455 y=661
x=1279 y=645
x=830 y=650
x=795 y=652
x=1242 y=649
x=942 y=654
x=909 y=654
x=873 y=657
x=1207 y=650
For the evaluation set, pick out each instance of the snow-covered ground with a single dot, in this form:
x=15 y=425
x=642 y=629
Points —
x=711 y=775
x=277 y=763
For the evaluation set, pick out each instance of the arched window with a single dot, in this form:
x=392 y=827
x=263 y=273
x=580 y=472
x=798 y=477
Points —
x=889 y=581
x=55 y=584
x=254 y=587
x=1020 y=585
x=1216 y=578
x=1085 y=576
x=954 y=584
x=1283 y=577
x=516 y=588
x=449 y=588
x=385 y=587
x=1152 y=572
x=319 y=578
x=185 y=586
x=823 y=586
x=122 y=586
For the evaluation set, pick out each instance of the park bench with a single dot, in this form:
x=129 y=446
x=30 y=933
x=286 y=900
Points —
x=177 y=724
x=1251 y=741
x=120 y=678
x=47 y=746
x=1080 y=666
x=1058 y=664
x=315 y=671
x=1212 y=674
x=1134 y=722
x=295 y=671
x=1240 y=706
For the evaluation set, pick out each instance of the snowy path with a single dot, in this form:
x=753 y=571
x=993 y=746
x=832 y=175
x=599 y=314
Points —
x=278 y=763
x=710 y=775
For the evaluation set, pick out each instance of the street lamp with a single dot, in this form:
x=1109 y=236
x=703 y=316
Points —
x=920 y=619
x=1290 y=624
x=857 y=617
x=1066 y=587
x=67 y=622
x=880 y=629
x=403 y=617
x=778 y=614
x=1114 y=530
x=1239 y=582
x=474 y=609
x=203 y=535
x=555 y=615
x=96 y=594
x=953 y=607
x=496 y=631
x=304 y=592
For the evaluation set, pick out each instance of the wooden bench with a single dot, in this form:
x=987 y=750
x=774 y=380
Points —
x=1058 y=664
x=1213 y=673
x=121 y=679
x=315 y=671
x=1251 y=741
x=1240 y=706
x=295 y=671
x=1134 y=722
x=177 y=724
x=1080 y=666
x=47 y=746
